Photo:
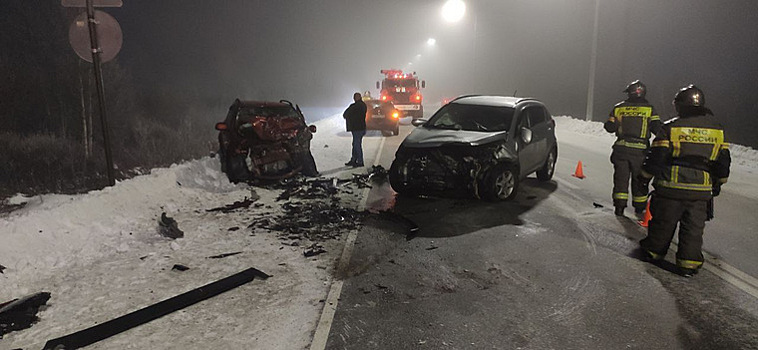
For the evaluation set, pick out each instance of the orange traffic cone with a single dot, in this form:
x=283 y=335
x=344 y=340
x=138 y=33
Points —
x=647 y=217
x=579 y=172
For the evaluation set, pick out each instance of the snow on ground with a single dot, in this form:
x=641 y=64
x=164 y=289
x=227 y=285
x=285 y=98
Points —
x=100 y=256
x=741 y=155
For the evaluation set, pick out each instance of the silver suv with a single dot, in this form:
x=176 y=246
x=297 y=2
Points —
x=483 y=145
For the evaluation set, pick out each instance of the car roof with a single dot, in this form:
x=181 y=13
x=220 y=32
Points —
x=253 y=103
x=491 y=100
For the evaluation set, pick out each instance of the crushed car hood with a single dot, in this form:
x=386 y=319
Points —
x=423 y=137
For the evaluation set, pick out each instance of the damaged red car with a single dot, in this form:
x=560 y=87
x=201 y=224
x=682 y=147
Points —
x=265 y=140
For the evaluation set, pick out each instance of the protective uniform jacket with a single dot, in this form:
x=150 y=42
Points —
x=689 y=158
x=633 y=121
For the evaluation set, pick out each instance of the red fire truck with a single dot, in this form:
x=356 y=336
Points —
x=403 y=90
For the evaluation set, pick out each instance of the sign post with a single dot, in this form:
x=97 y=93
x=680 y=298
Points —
x=96 y=52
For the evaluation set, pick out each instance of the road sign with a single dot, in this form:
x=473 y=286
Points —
x=109 y=36
x=96 y=3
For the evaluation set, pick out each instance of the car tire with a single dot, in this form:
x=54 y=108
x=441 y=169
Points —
x=397 y=129
x=500 y=184
x=236 y=168
x=548 y=169
x=386 y=133
x=396 y=183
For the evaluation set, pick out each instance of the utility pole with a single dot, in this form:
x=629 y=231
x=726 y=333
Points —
x=100 y=90
x=89 y=49
x=593 y=65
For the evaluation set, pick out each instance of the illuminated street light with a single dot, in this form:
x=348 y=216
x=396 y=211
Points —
x=431 y=41
x=418 y=55
x=453 y=10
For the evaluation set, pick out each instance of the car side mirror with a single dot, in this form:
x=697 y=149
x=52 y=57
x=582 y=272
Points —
x=418 y=122
x=423 y=84
x=526 y=135
x=220 y=126
x=377 y=84
x=312 y=128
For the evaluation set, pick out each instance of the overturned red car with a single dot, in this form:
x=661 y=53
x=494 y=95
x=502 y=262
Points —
x=265 y=140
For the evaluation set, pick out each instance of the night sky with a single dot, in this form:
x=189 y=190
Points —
x=318 y=52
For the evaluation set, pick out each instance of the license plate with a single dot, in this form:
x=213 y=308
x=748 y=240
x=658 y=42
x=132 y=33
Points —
x=408 y=107
x=378 y=116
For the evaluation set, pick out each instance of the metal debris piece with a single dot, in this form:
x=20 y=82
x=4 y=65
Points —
x=110 y=328
x=21 y=313
x=2 y=268
x=236 y=205
x=168 y=227
x=432 y=248
x=313 y=250
x=235 y=228
x=180 y=267
x=221 y=256
x=597 y=205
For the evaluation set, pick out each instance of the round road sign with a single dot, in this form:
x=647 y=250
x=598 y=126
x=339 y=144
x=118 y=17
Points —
x=109 y=36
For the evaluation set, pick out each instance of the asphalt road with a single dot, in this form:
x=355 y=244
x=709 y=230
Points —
x=549 y=270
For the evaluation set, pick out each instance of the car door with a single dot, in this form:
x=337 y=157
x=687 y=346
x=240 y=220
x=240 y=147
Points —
x=540 y=131
x=527 y=151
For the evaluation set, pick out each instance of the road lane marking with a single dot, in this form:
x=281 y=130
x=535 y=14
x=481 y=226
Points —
x=321 y=335
x=718 y=267
x=726 y=272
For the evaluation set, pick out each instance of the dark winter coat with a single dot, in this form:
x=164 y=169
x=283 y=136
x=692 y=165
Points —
x=355 y=116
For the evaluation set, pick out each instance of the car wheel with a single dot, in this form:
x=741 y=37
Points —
x=547 y=170
x=386 y=133
x=396 y=181
x=236 y=168
x=501 y=183
x=397 y=129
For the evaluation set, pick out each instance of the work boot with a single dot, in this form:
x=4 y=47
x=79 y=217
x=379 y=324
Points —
x=639 y=210
x=619 y=211
x=687 y=272
x=350 y=163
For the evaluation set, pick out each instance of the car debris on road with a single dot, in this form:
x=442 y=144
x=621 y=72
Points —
x=21 y=313
x=168 y=227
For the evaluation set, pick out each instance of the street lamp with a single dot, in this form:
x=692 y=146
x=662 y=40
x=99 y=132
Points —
x=453 y=10
x=431 y=41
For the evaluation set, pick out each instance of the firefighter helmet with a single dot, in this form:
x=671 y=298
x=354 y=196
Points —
x=689 y=96
x=636 y=89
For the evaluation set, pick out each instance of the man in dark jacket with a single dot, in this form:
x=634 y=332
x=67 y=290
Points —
x=689 y=160
x=355 y=119
x=633 y=120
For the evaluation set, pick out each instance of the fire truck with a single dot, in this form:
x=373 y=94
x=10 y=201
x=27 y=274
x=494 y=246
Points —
x=403 y=90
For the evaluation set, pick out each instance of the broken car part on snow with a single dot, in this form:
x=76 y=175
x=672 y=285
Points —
x=168 y=227
x=110 y=328
x=21 y=313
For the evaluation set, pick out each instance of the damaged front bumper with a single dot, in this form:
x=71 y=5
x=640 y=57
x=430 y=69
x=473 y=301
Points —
x=448 y=168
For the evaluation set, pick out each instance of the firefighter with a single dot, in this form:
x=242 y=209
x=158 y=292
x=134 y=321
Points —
x=633 y=121
x=688 y=161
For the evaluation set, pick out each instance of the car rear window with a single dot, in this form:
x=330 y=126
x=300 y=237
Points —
x=279 y=111
x=472 y=118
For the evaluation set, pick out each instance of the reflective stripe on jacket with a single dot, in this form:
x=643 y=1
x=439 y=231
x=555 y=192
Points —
x=688 y=157
x=634 y=122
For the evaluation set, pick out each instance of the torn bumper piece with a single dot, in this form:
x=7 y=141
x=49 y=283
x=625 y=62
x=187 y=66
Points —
x=110 y=328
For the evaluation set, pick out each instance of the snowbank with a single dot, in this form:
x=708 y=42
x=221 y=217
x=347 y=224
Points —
x=100 y=256
x=741 y=155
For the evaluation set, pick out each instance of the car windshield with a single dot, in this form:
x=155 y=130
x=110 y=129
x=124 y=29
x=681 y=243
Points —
x=278 y=111
x=392 y=83
x=472 y=118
